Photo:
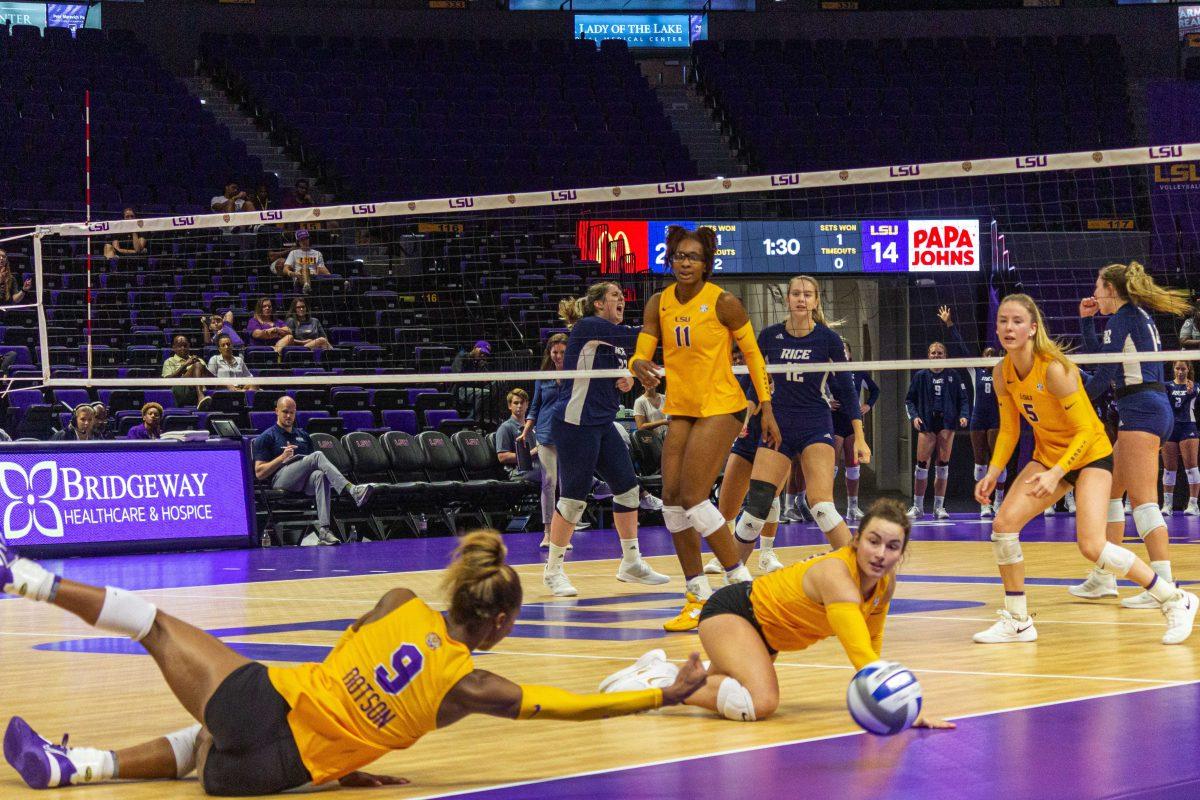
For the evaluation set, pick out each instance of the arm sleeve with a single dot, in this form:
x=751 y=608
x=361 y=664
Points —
x=1091 y=340
x=872 y=389
x=843 y=386
x=755 y=363
x=875 y=625
x=957 y=346
x=1010 y=431
x=547 y=702
x=913 y=397
x=1078 y=413
x=644 y=351
x=847 y=622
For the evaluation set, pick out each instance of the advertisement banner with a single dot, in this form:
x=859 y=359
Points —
x=113 y=495
x=56 y=15
x=619 y=245
x=943 y=245
x=643 y=30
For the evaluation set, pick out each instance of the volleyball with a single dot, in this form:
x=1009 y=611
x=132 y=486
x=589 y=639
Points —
x=884 y=698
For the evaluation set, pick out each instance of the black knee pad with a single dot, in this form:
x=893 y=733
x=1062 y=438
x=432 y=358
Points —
x=923 y=465
x=941 y=463
x=759 y=497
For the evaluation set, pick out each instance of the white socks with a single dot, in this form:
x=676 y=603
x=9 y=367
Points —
x=738 y=574
x=938 y=502
x=554 y=561
x=92 y=765
x=1163 y=570
x=919 y=504
x=630 y=554
x=1162 y=590
x=700 y=587
x=1016 y=605
x=767 y=544
x=32 y=581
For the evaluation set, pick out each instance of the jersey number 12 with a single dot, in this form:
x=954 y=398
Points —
x=683 y=336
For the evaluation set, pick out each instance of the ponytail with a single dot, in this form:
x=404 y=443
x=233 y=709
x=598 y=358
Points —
x=818 y=313
x=1132 y=283
x=478 y=584
x=571 y=311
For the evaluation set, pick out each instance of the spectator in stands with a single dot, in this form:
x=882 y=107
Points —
x=473 y=360
x=537 y=423
x=186 y=364
x=284 y=456
x=262 y=197
x=1189 y=334
x=648 y=414
x=83 y=426
x=512 y=448
x=12 y=289
x=151 y=427
x=219 y=325
x=234 y=199
x=4 y=437
x=227 y=364
x=103 y=426
x=306 y=330
x=279 y=244
x=263 y=328
x=300 y=196
x=135 y=245
x=303 y=262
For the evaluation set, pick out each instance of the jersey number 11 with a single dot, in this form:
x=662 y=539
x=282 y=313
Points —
x=683 y=336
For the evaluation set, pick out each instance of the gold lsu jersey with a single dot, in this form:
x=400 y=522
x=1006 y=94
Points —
x=696 y=356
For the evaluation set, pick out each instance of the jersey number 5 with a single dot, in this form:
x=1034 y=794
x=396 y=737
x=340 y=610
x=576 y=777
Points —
x=683 y=336
x=407 y=662
x=1030 y=414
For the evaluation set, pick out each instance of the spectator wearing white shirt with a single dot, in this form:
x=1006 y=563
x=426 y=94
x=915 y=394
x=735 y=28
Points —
x=648 y=413
x=227 y=364
x=304 y=262
x=232 y=201
x=1189 y=334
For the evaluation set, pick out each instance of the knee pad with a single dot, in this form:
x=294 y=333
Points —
x=1168 y=478
x=126 y=613
x=980 y=471
x=759 y=497
x=706 y=519
x=942 y=472
x=184 y=746
x=675 y=518
x=1007 y=547
x=1116 y=559
x=1147 y=518
x=852 y=473
x=773 y=515
x=827 y=516
x=624 y=502
x=1193 y=475
x=571 y=510
x=748 y=528
x=1116 y=510
x=735 y=702
x=921 y=472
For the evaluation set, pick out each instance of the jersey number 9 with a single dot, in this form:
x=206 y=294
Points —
x=407 y=662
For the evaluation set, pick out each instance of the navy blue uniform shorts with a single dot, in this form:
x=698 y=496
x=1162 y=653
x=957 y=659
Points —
x=587 y=450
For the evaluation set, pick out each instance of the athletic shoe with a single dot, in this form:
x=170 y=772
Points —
x=789 y=517
x=689 y=618
x=1193 y=510
x=310 y=540
x=559 y=585
x=545 y=543
x=915 y=513
x=650 y=503
x=1098 y=584
x=1181 y=615
x=769 y=562
x=361 y=492
x=326 y=536
x=651 y=671
x=803 y=511
x=581 y=526
x=1007 y=629
x=1140 y=600
x=43 y=764
x=1070 y=503
x=854 y=514
x=941 y=513
x=640 y=572
x=985 y=512
x=713 y=567
x=1166 y=509
x=1095 y=586
x=1049 y=512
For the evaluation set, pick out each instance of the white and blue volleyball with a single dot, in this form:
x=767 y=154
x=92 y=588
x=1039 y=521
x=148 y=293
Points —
x=884 y=698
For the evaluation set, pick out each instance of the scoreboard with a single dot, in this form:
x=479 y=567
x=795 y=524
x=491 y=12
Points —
x=797 y=246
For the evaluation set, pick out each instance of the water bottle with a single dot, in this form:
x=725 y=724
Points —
x=265 y=541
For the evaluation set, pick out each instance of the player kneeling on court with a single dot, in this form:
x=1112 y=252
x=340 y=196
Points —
x=844 y=593
x=399 y=672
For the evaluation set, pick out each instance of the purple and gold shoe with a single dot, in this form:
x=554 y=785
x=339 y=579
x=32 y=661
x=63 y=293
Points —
x=43 y=764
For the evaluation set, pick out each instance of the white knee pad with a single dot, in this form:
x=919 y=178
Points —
x=628 y=500
x=852 y=473
x=1147 y=518
x=571 y=510
x=941 y=472
x=827 y=516
x=705 y=518
x=1116 y=510
x=1007 y=547
x=980 y=471
x=1169 y=478
x=1193 y=475
x=675 y=518
x=921 y=473
x=735 y=702
x=1116 y=559
x=775 y=509
x=126 y=613
x=184 y=745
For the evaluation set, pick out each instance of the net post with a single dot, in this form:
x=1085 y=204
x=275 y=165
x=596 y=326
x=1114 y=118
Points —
x=38 y=277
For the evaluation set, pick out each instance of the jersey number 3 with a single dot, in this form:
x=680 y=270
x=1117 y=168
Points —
x=407 y=662
x=683 y=336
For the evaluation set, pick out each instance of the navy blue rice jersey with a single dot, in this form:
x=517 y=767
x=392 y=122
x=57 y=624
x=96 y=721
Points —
x=805 y=391
x=594 y=343
x=1130 y=330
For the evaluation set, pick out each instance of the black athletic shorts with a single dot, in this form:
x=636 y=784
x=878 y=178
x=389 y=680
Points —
x=735 y=599
x=1072 y=477
x=253 y=752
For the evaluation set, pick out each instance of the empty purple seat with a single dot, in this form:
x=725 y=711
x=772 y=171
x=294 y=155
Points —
x=401 y=420
x=357 y=420
x=436 y=416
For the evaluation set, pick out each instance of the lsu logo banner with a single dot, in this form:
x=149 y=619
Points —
x=786 y=179
x=183 y=222
x=560 y=195
x=671 y=188
x=267 y=216
x=944 y=245
x=462 y=202
x=365 y=208
x=1167 y=151
x=97 y=226
x=1031 y=162
x=905 y=171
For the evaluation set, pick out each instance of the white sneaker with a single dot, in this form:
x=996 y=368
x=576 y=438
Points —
x=1140 y=600
x=1192 y=510
x=915 y=513
x=545 y=544
x=1098 y=584
x=985 y=512
x=941 y=513
x=713 y=567
x=581 y=526
x=1006 y=629
x=650 y=503
x=769 y=562
x=1181 y=615
x=1166 y=509
x=559 y=585
x=651 y=671
x=311 y=540
x=1071 y=503
x=640 y=572
x=1049 y=512
x=854 y=514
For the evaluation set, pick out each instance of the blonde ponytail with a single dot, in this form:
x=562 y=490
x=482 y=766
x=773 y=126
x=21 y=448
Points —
x=478 y=584
x=1132 y=283
x=571 y=311
x=1043 y=345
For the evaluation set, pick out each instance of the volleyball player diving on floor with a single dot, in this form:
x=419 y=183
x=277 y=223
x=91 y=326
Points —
x=844 y=593
x=697 y=323
x=1035 y=380
x=401 y=671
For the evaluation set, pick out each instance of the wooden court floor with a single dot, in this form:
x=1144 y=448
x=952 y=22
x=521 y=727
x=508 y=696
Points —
x=63 y=676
